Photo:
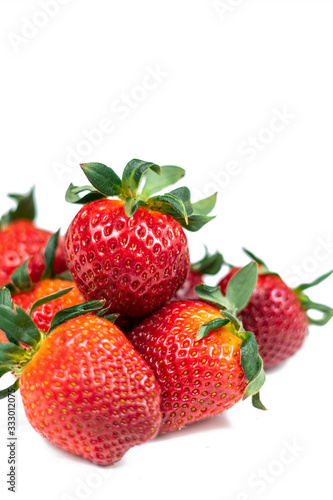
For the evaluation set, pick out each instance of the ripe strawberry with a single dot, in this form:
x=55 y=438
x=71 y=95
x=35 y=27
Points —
x=20 y=239
x=278 y=315
x=202 y=358
x=44 y=314
x=132 y=252
x=83 y=387
x=25 y=293
x=210 y=264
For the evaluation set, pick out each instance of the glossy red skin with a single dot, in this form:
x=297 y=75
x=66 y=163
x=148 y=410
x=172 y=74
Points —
x=198 y=379
x=43 y=315
x=276 y=317
x=135 y=263
x=87 y=391
x=19 y=241
x=187 y=291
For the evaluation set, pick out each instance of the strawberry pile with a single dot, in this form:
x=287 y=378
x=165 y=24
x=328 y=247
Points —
x=110 y=333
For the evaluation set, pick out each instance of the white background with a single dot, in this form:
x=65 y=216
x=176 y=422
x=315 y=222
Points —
x=225 y=72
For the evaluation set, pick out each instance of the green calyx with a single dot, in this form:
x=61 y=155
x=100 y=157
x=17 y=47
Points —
x=20 y=279
x=94 y=306
x=238 y=293
x=210 y=264
x=307 y=304
x=21 y=330
x=25 y=209
x=138 y=187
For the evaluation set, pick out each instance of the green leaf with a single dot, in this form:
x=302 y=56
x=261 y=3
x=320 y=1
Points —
x=21 y=278
x=231 y=315
x=4 y=369
x=198 y=216
x=18 y=326
x=191 y=216
x=253 y=368
x=205 y=206
x=184 y=194
x=131 y=206
x=65 y=315
x=73 y=194
x=6 y=298
x=254 y=386
x=241 y=286
x=10 y=353
x=213 y=295
x=196 y=222
x=215 y=324
x=316 y=282
x=210 y=264
x=49 y=255
x=168 y=204
x=111 y=317
x=249 y=355
x=25 y=209
x=103 y=178
x=49 y=298
x=12 y=388
x=154 y=183
x=256 y=402
x=133 y=173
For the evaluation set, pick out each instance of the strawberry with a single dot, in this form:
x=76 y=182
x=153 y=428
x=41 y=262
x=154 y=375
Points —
x=20 y=239
x=210 y=264
x=203 y=359
x=132 y=252
x=83 y=387
x=25 y=293
x=43 y=314
x=277 y=314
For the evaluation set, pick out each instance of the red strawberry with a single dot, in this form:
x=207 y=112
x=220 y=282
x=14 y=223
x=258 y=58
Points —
x=201 y=355
x=210 y=264
x=132 y=252
x=134 y=263
x=43 y=315
x=25 y=293
x=83 y=387
x=20 y=239
x=277 y=314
